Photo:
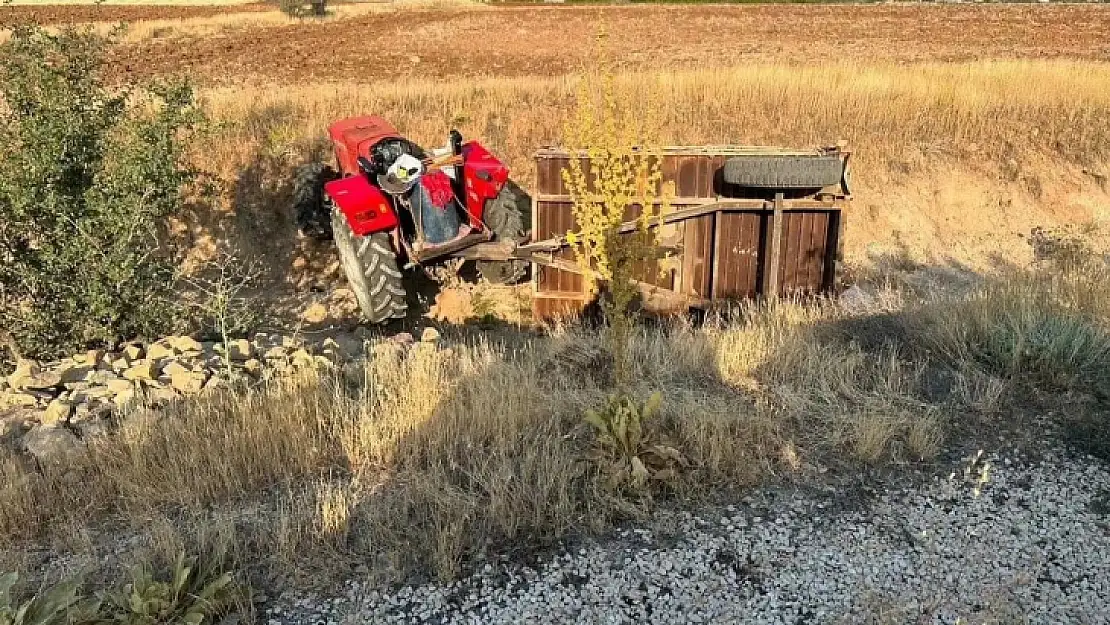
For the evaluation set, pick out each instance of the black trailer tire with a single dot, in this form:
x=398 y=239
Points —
x=311 y=205
x=506 y=215
x=783 y=172
x=372 y=272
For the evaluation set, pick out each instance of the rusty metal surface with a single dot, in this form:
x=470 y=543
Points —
x=555 y=219
x=738 y=253
x=803 y=258
x=725 y=248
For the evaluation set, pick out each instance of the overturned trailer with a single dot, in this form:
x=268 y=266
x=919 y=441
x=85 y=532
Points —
x=744 y=222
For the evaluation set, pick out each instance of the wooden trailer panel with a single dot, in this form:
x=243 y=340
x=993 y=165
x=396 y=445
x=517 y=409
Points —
x=727 y=249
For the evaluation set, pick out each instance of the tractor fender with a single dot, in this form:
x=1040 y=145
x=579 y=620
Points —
x=483 y=177
x=365 y=206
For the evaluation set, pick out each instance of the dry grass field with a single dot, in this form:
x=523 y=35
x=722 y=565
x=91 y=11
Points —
x=971 y=126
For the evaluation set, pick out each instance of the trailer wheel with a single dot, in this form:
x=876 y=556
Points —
x=506 y=215
x=311 y=205
x=371 y=268
x=783 y=172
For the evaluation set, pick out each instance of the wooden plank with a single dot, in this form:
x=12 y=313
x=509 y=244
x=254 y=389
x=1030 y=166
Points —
x=818 y=237
x=799 y=256
x=681 y=280
x=746 y=253
x=715 y=166
x=724 y=255
x=755 y=255
x=773 y=257
x=686 y=182
x=446 y=249
x=701 y=257
x=715 y=255
x=792 y=252
x=832 y=250
x=646 y=288
x=726 y=203
x=810 y=275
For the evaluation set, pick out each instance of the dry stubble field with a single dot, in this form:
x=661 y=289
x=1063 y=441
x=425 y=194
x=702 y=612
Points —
x=972 y=125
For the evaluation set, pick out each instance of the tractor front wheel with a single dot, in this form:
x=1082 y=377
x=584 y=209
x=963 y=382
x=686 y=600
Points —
x=371 y=268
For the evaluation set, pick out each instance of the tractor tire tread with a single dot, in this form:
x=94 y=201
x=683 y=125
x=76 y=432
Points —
x=783 y=171
x=312 y=207
x=506 y=215
x=372 y=272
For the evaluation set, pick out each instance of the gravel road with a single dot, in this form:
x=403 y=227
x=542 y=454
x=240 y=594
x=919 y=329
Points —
x=1003 y=541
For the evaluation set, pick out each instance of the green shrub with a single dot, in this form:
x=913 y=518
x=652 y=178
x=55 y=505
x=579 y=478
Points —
x=192 y=595
x=1043 y=326
x=619 y=170
x=622 y=440
x=88 y=175
x=303 y=8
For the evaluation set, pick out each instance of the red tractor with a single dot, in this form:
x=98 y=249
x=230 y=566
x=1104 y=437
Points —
x=391 y=205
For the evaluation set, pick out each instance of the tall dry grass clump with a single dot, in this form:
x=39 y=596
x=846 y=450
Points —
x=1049 y=324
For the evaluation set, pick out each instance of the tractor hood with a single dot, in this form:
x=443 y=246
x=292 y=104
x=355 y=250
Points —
x=353 y=137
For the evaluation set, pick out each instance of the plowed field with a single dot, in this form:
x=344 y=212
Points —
x=518 y=41
x=65 y=14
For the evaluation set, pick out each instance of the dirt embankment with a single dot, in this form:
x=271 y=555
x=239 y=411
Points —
x=546 y=41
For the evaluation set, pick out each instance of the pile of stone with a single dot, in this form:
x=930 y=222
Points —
x=47 y=408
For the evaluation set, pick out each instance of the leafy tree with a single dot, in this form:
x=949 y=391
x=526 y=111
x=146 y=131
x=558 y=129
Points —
x=89 y=172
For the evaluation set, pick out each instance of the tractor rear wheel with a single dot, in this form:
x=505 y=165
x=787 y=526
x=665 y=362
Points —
x=311 y=204
x=507 y=216
x=783 y=171
x=371 y=268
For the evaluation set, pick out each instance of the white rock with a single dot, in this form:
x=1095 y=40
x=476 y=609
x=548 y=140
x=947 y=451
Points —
x=56 y=412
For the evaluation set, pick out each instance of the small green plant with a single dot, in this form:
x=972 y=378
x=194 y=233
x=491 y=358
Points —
x=193 y=595
x=621 y=437
x=57 y=605
x=221 y=301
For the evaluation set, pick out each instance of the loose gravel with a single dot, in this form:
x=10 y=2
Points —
x=1004 y=541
